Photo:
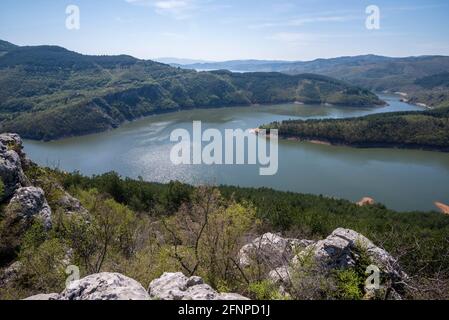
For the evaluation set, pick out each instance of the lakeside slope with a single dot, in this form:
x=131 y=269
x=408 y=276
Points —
x=423 y=79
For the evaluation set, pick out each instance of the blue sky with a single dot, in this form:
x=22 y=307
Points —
x=231 y=29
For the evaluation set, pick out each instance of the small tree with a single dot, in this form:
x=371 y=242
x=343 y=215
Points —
x=109 y=229
x=207 y=234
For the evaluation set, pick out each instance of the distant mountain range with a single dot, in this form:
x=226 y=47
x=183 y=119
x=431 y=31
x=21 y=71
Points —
x=48 y=92
x=367 y=67
x=373 y=72
x=179 y=61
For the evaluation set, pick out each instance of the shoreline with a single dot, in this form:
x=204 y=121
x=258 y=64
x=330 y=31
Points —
x=321 y=141
x=164 y=112
x=324 y=142
x=404 y=97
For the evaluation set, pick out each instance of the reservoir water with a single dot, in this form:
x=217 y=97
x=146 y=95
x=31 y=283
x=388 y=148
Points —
x=404 y=180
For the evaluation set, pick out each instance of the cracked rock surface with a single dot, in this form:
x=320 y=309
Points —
x=104 y=286
x=176 y=286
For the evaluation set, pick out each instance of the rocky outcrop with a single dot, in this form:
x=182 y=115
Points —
x=115 y=286
x=70 y=205
x=281 y=275
x=271 y=250
x=342 y=249
x=104 y=286
x=12 y=141
x=22 y=203
x=11 y=172
x=176 y=286
x=29 y=203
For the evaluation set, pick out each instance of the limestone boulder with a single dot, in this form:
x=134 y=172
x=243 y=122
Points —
x=29 y=203
x=176 y=286
x=104 y=286
x=11 y=172
x=271 y=250
x=344 y=247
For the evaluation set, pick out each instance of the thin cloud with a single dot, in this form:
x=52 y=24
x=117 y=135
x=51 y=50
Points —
x=296 y=22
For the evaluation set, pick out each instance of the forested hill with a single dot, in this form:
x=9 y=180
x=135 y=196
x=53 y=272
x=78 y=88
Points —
x=371 y=71
x=48 y=92
x=6 y=46
x=423 y=130
x=408 y=75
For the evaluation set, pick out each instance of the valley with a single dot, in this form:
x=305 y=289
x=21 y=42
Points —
x=48 y=92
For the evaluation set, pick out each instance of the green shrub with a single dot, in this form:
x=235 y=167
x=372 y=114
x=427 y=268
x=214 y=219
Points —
x=43 y=268
x=349 y=284
x=265 y=290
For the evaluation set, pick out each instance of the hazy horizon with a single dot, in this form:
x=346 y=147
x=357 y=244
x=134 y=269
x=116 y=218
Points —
x=199 y=61
x=290 y=61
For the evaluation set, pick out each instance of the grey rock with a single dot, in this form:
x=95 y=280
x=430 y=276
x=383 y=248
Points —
x=11 y=171
x=71 y=205
x=281 y=275
x=201 y=292
x=176 y=286
x=28 y=203
x=194 y=281
x=282 y=278
x=8 y=140
x=232 y=297
x=170 y=286
x=270 y=249
x=50 y=296
x=104 y=286
x=341 y=250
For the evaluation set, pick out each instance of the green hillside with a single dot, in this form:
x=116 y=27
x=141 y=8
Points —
x=378 y=73
x=48 y=92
